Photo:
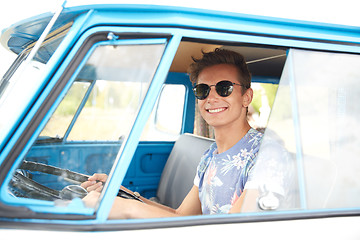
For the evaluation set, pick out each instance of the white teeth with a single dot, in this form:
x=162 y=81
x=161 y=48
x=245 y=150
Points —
x=216 y=110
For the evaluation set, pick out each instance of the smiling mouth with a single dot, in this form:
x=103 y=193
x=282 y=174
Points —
x=216 y=110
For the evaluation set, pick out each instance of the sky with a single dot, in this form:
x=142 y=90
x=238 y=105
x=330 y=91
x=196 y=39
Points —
x=329 y=11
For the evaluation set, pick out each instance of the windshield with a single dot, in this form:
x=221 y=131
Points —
x=24 y=78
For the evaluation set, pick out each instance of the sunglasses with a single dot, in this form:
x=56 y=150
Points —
x=223 y=88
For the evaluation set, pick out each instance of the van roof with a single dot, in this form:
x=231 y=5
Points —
x=27 y=31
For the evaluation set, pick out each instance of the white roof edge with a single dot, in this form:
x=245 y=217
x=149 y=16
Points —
x=323 y=11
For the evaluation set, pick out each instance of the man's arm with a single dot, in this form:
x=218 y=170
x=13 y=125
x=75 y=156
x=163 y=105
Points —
x=190 y=205
x=247 y=202
x=127 y=208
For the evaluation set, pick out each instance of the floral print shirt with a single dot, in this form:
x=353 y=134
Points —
x=221 y=178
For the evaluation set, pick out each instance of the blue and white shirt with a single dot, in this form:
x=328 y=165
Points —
x=221 y=178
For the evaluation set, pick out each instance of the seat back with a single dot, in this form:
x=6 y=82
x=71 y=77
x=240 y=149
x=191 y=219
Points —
x=180 y=169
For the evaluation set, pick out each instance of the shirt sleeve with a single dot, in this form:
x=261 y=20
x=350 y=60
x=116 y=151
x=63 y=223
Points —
x=197 y=180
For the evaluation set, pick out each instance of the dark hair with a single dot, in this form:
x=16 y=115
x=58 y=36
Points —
x=221 y=56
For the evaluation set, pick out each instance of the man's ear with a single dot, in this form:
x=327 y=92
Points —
x=247 y=97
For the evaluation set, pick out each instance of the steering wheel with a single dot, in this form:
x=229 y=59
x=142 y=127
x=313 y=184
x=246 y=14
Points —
x=21 y=185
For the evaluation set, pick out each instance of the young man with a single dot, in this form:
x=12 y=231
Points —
x=223 y=91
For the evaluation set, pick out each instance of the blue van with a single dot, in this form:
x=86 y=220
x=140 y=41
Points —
x=105 y=89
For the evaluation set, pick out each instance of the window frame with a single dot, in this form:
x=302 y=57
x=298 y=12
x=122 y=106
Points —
x=71 y=65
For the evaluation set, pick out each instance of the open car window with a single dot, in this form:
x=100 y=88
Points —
x=308 y=157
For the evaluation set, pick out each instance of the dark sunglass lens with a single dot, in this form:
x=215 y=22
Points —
x=201 y=91
x=224 y=88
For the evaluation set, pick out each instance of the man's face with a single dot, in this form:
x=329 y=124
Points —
x=223 y=111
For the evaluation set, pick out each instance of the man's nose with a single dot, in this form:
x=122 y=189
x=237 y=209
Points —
x=213 y=95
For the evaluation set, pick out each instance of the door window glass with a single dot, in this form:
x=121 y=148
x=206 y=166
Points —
x=60 y=121
x=123 y=75
x=309 y=155
x=101 y=104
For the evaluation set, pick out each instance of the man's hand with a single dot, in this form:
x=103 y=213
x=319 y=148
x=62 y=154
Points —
x=95 y=182
x=91 y=199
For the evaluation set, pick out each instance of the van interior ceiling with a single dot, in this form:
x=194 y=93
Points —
x=263 y=61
